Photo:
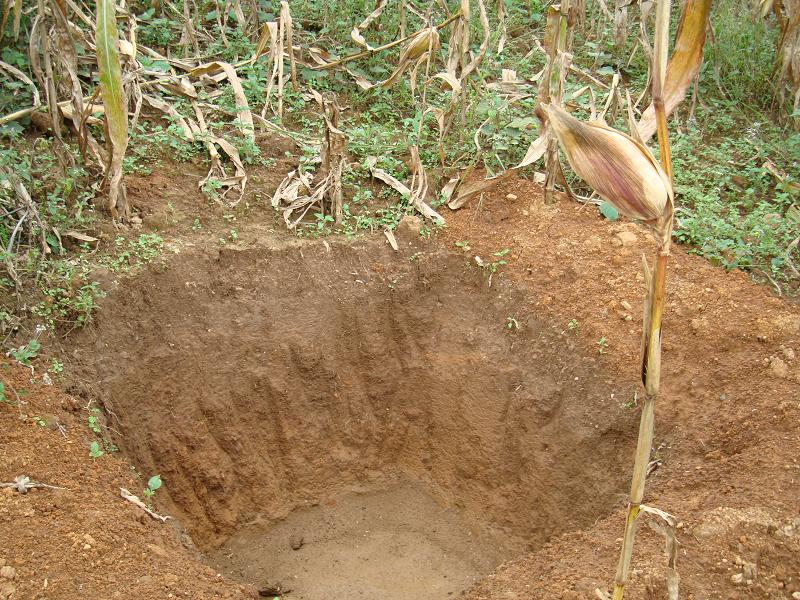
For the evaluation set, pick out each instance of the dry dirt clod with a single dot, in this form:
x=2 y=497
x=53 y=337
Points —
x=749 y=570
x=779 y=368
x=273 y=590
x=625 y=239
x=157 y=550
x=7 y=590
x=409 y=225
x=8 y=572
x=296 y=542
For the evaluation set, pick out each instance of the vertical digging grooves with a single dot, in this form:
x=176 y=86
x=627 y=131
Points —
x=256 y=381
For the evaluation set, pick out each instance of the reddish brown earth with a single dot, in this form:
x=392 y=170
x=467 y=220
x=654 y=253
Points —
x=85 y=541
x=727 y=426
x=273 y=374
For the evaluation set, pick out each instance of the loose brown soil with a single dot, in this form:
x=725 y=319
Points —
x=270 y=378
x=393 y=543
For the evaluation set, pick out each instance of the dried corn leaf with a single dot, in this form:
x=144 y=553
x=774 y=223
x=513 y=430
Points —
x=501 y=16
x=217 y=171
x=415 y=193
x=487 y=32
x=535 y=151
x=323 y=59
x=665 y=525
x=242 y=106
x=414 y=49
x=269 y=34
x=114 y=102
x=15 y=72
x=86 y=115
x=286 y=19
x=391 y=239
x=356 y=34
x=466 y=190
x=169 y=110
x=8 y=5
x=684 y=64
x=388 y=179
x=64 y=49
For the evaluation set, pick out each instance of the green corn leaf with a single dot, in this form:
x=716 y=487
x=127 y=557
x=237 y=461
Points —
x=114 y=101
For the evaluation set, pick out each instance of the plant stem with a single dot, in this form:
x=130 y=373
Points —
x=651 y=376
x=651 y=348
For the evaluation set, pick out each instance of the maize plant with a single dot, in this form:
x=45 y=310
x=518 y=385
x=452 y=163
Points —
x=623 y=171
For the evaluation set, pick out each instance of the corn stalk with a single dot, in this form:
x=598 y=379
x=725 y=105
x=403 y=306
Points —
x=558 y=41
x=651 y=341
x=787 y=17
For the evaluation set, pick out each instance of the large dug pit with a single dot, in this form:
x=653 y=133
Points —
x=352 y=422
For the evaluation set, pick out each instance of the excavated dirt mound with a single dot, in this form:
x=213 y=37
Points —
x=257 y=381
x=727 y=423
x=84 y=541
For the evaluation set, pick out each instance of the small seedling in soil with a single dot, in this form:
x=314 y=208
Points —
x=512 y=323
x=323 y=220
x=196 y=226
x=152 y=485
x=602 y=345
x=463 y=246
x=56 y=367
x=94 y=425
x=573 y=326
x=493 y=266
x=95 y=451
x=24 y=354
x=633 y=402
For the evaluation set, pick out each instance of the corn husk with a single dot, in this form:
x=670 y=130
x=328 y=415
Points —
x=621 y=170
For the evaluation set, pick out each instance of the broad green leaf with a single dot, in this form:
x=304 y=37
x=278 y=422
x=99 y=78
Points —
x=608 y=211
x=154 y=482
x=114 y=101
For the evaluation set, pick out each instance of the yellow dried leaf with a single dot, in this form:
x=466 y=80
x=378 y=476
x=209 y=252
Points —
x=684 y=63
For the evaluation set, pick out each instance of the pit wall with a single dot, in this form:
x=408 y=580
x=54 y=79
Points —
x=259 y=380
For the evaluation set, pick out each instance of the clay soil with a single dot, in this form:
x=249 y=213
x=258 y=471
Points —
x=273 y=377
